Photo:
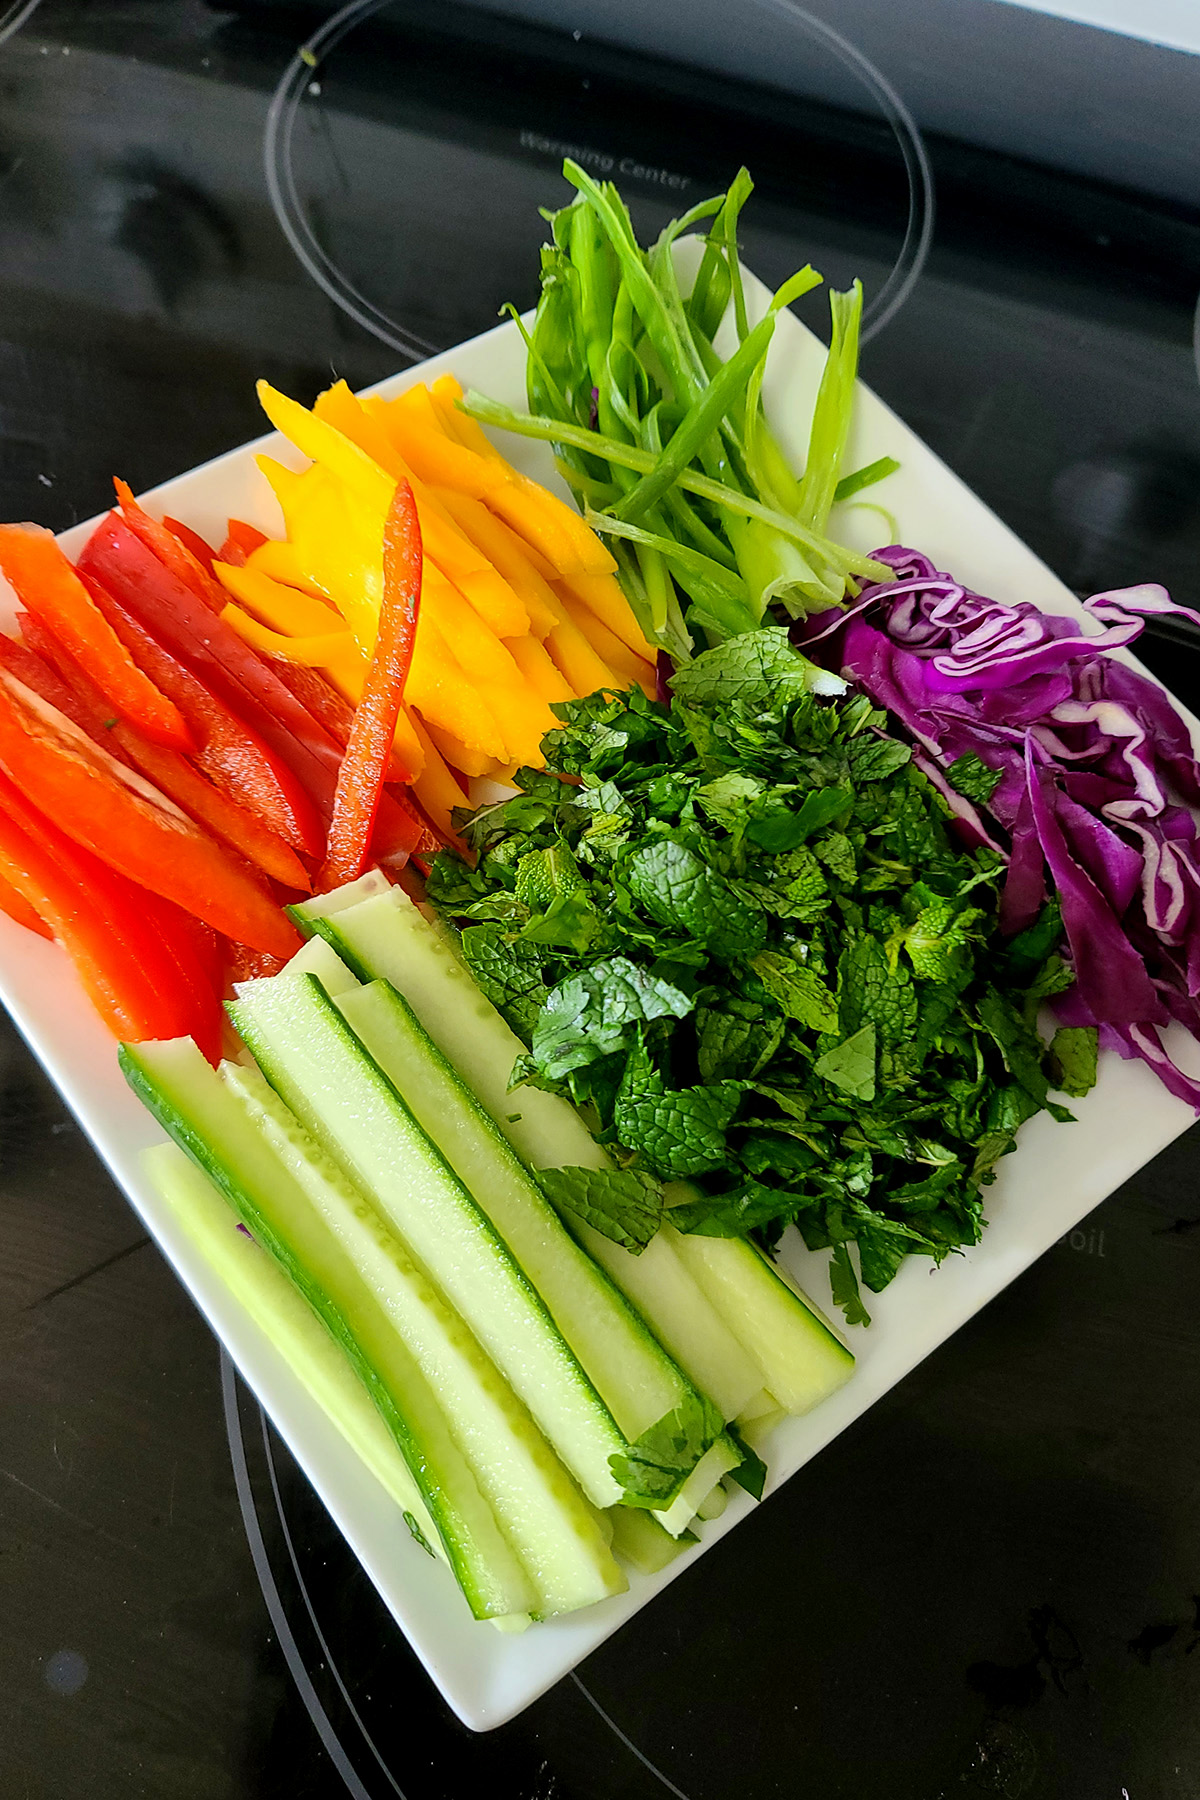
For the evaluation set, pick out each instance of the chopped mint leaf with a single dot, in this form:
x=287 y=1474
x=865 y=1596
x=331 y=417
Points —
x=737 y=1043
x=509 y=973
x=760 y=669
x=680 y=1131
x=594 y=1013
x=971 y=777
x=652 y=1469
x=938 y=941
x=680 y=891
x=748 y=1208
x=843 y=1283
x=624 y=1204
x=850 y=1065
x=1072 y=1059
x=797 y=990
x=751 y=1472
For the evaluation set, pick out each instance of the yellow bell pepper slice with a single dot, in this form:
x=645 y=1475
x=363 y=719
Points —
x=286 y=608
x=435 y=787
x=603 y=595
x=444 y=543
x=633 y=670
x=445 y=393
x=575 y=657
x=277 y=559
x=338 y=546
x=519 y=563
x=463 y=757
x=551 y=526
x=313 y=652
x=330 y=447
x=523 y=717
x=415 y=426
x=539 y=670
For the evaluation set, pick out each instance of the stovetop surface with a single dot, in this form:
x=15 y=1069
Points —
x=990 y=1585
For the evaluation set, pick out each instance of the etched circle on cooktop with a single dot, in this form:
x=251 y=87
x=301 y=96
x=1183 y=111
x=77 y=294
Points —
x=407 y=157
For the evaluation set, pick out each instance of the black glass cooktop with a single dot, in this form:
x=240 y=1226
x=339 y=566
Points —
x=989 y=1586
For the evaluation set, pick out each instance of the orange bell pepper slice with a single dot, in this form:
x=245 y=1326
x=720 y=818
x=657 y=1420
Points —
x=48 y=587
x=117 y=817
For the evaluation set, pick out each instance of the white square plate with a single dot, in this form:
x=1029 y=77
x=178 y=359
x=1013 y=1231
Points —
x=1057 y=1176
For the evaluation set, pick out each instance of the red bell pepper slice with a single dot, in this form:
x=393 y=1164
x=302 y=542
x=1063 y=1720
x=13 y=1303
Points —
x=251 y=965
x=174 y=555
x=48 y=587
x=20 y=911
x=169 y=771
x=93 y=799
x=121 y=948
x=225 y=663
x=364 y=769
x=28 y=666
x=400 y=827
x=319 y=697
x=241 y=541
x=234 y=757
x=191 y=540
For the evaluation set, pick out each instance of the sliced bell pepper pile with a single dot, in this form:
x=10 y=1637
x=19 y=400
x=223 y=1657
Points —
x=241 y=541
x=20 y=911
x=109 y=811
x=168 y=548
x=228 y=667
x=234 y=757
x=191 y=540
x=169 y=771
x=120 y=940
x=49 y=588
x=368 y=753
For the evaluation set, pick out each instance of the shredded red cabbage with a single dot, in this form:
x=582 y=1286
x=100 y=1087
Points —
x=1097 y=774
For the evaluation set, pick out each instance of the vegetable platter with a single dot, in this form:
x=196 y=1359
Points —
x=1056 y=1175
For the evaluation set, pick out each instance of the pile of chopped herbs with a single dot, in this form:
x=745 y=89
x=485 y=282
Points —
x=739 y=932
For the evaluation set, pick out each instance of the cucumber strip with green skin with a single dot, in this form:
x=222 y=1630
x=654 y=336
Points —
x=323 y=906
x=757 y=1408
x=536 y=1505
x=635 y=1378
x=387 y=936
x=319 y=958
x=195 y=1107
x=757 y=1432
x=713 y=1505
x=687 y=1326
x=342 y=1097
x=640 y=1540
x=319 y=1363
x=802 y=1358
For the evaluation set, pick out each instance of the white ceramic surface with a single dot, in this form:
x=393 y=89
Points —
x=1057 y=1176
